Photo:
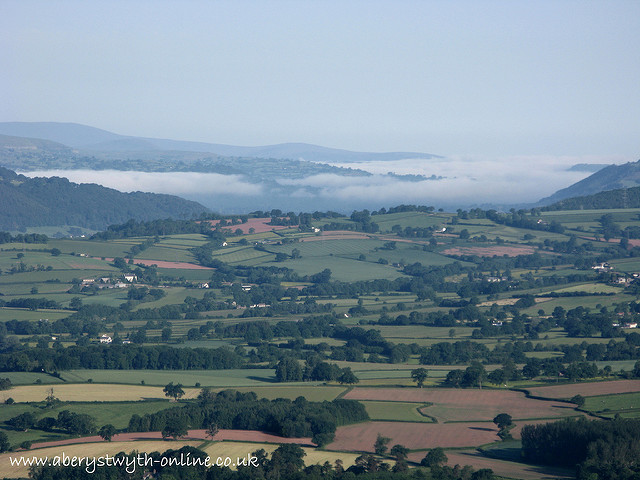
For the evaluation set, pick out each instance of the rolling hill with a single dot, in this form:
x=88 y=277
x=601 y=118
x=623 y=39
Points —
x=612 y=177
x=55 y=201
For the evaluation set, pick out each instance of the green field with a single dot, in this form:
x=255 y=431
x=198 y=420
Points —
x=206 y=378
x=609 y=405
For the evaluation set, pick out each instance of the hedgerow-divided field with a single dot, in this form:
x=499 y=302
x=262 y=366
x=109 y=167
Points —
x=434 y=322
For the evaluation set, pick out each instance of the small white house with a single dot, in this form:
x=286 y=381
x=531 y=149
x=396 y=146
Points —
x=105 y=339
x=130 y=278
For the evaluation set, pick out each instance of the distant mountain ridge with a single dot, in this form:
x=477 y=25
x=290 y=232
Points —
x=94 y=139
x=612 y=177
x=55 y=201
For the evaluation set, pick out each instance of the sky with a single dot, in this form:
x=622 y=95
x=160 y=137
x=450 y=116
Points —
x=488 y=78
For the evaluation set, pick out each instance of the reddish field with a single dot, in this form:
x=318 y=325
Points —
x=164 y=264
x=362 y=436
x=490 y=251
x=500 y=467
x=258 y=224
x=237 y=435
x=587 y=389
x=452 y=404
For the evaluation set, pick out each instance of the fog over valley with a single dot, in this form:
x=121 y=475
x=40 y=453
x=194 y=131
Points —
x=458 y=182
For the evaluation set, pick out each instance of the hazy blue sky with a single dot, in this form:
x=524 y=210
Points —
x=446 y=77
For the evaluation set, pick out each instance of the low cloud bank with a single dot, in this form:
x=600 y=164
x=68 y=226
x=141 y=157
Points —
x=174 y=183
x=467 y=181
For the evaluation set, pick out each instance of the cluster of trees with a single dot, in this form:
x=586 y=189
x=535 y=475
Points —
x=31 y=303
x=606 y=450
x=6 y=237
x=475 y=375
x=289 y=370
x=126 y=357
x=153 y=228
x=231 y=409
x=68 y=422
x=620 y=198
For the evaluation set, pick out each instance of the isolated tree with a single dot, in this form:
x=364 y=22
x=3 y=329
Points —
x=399 y=452
x=578 y=400
x=436 y=456
x=212 y=430
x=51 y=400
x=166 y=334
x=419 y=375
x=107 y=432
x=504 y=423
x=380 y=446
x=348 y=377
x=175 y=391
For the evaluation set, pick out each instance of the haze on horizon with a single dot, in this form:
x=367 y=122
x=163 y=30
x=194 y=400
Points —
x=491 y=78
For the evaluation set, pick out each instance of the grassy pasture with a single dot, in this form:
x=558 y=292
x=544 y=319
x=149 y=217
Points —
x=590 y=288
x=323 y=248
x=175 y=295
x=409 y=219
x=344 y=269
x=408 y=254
x=611 y=404
x=572 y=302
x=31 y=315
x=206 y=378
x=166 y=253
x=244 y=255
x=96 y=248
x=27 y=378
x=313 y=393
x=193 y=275
x=626 y=265
x=413 y=332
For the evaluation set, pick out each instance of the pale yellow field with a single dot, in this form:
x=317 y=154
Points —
x=84 y=392
x=242 y=449
x=86 y=450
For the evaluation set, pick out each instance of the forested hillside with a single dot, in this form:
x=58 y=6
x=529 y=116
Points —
x=620 y=198
x=57 y=201
x=609 y=178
